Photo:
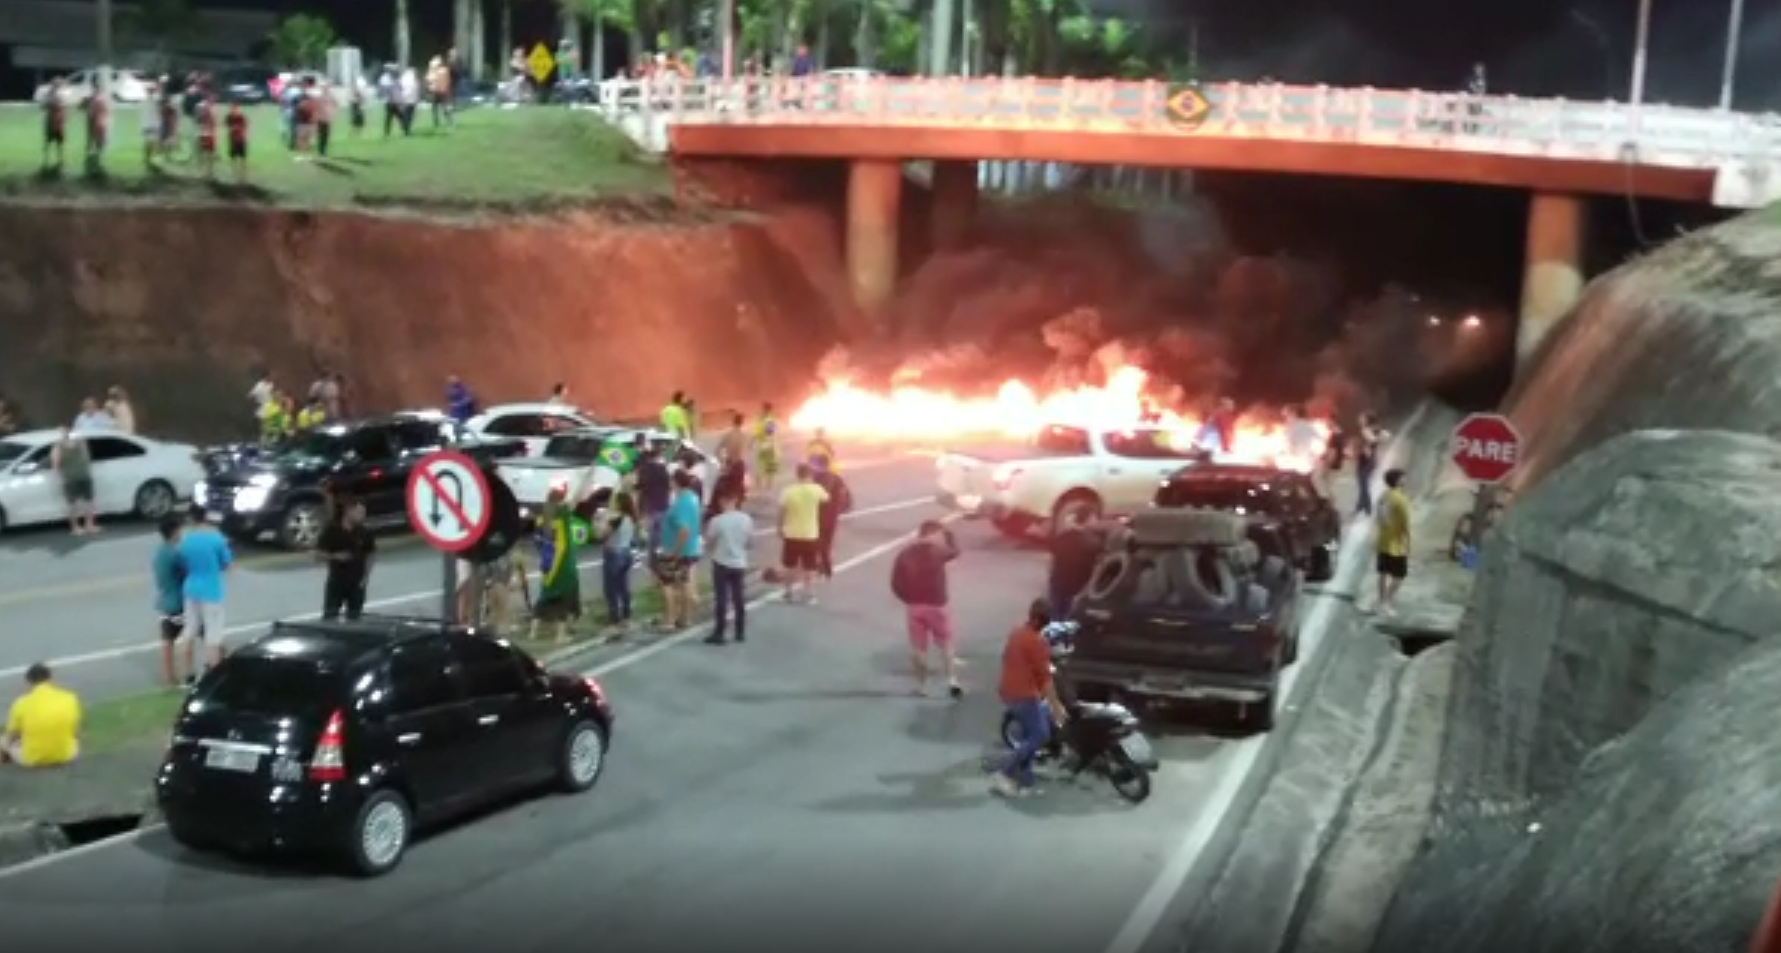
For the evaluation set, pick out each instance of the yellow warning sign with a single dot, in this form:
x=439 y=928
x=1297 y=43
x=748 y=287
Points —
x=1188 y=108
x=540 y=63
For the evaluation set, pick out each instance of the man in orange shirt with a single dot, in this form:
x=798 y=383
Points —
x=1030 y=696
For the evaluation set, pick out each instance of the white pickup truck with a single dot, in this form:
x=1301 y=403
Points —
x=568 y=455
x=1098 y=472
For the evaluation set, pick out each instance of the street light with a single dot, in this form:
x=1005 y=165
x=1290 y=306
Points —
x=1733 y=30
x=1641 y=45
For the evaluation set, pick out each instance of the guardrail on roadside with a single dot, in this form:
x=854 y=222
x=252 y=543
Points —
x=1660 y=135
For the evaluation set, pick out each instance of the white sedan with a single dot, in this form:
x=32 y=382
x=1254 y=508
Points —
x=127 y=86
x=533 y=423
x=132 y=475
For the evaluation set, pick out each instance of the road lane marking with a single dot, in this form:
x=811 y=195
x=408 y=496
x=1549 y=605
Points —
x=624 y=661
x=1140 y=926
x=122 y=651
x=116 y=582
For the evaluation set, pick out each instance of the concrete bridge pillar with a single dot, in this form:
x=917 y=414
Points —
x=1552 y=279
x=874 y=197
x=955 y=204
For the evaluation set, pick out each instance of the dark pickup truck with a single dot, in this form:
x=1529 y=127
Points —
x=1285 y=496
x=1207 y=613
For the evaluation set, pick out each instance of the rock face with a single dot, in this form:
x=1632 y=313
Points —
x=183 y=305
x=1611 y=776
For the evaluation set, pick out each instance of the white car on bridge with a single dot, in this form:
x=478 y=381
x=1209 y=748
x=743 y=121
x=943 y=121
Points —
x=567 y=456
x=132 y=475
x=533 y=423
x=1097 y=472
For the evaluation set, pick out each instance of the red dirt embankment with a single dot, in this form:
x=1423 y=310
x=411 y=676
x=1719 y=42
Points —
x=183 y=305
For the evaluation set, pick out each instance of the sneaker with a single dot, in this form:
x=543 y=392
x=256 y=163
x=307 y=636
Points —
x=956 y=690
x=1003 y=786
x=715 y=638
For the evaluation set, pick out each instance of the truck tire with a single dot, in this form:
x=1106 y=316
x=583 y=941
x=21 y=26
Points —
x=1109 y=574
x=1075 y=501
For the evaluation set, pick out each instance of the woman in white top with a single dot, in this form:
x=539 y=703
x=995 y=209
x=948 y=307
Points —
x=123 y=413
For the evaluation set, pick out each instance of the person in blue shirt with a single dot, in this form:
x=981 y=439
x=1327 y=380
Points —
x=460 y=402
x=170 y=596
x=679 y=548
x=206 y=557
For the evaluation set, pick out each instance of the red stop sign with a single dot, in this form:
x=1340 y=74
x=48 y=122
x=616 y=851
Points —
x=1486 y=447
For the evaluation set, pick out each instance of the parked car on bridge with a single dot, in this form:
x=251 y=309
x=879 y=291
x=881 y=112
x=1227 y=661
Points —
x=132 y=476
x=533 y=424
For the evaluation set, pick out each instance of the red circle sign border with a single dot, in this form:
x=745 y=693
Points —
x=1498 y=420
x=482 y=486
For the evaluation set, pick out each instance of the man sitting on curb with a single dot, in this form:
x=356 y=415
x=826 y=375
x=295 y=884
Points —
x=43 y=729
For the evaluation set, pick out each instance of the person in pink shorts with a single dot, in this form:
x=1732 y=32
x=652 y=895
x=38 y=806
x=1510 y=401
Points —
x=918 y=579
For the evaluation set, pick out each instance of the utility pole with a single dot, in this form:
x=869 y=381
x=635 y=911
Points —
x=967 y=43
x=1733 y=32
x=1641 y=46
x=105 y=50
x=727 y=10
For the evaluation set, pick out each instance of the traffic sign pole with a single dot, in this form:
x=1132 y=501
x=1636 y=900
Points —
x=448 y=603
x=1487 y=449
x=450 y=505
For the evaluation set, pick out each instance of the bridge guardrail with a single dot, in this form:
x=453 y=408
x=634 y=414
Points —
x=1500 y=125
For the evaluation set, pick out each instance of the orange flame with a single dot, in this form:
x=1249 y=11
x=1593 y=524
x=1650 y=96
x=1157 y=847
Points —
x=1016 y=410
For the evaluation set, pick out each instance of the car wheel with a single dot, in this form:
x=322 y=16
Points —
x=2 y=519
x=583 y=757
x=302 y=525
x=1075 y=502
x=155 y=499
x=380 y=834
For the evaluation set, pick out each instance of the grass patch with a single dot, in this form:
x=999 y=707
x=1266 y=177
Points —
x=130 y=721
x=530 y=160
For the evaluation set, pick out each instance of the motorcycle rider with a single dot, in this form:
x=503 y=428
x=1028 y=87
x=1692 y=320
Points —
x=1030 y=695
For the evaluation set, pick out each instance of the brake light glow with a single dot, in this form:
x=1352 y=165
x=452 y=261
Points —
x=593 y=685
x=329 y=763
x=1004 y=477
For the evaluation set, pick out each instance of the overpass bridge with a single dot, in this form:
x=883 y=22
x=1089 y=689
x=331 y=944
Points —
x=1558 y=151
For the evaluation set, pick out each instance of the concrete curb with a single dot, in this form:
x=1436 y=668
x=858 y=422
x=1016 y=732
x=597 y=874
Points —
x=20 y=843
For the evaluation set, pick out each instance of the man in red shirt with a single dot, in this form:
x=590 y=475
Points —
x=55 y=123
x=237 y=125
x=1030 y=696
x=98 y=107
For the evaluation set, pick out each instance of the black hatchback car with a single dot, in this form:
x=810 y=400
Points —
x=343 y=739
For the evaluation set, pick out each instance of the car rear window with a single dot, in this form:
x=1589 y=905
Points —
x=295 y=688
x=1213 y=494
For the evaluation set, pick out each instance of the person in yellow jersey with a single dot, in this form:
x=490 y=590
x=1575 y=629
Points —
x=675 y=419
x=766 y=450
x=313 y=414
x=1392 y=527
x=43 y=729
x=275 y=419
x=800 y=534
x=820 y=453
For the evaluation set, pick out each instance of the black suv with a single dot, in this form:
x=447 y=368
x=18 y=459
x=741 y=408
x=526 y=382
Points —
x=281 y=492
x=342 y=739
x=1286 y=496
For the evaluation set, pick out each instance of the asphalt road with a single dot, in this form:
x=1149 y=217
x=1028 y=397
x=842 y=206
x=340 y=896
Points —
x=86 y=605
x=790 y=791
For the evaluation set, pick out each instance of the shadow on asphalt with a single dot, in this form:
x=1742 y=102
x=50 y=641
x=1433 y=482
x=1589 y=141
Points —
x=953 y=787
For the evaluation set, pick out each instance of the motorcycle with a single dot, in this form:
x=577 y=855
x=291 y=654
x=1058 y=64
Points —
x=1104 y=738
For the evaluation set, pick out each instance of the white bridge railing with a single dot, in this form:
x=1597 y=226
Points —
x=1656 y=135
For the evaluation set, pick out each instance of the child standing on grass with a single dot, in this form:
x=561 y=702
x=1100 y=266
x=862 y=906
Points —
x=55 y=124
x=206 y=120
x=237 y=126
x=151 y=132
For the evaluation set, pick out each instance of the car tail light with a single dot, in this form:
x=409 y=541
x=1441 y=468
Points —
x=1004 y=477
x=593 y=685
x=329 y=763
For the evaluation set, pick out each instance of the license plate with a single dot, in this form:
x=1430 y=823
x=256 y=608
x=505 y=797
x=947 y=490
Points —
x=1137 y=748
x=213 y=516
x=232 y=759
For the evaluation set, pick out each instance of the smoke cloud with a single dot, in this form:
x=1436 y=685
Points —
x=1063 y=294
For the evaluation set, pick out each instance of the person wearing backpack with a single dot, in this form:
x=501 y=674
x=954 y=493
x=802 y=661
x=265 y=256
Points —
x=918 y=580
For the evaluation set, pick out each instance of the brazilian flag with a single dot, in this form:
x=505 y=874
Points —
x=619 y=455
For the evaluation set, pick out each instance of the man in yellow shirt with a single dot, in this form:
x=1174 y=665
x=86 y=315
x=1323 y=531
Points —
x=675 y=420
x=43 y=729
x=800 y=533
x=1392 y=529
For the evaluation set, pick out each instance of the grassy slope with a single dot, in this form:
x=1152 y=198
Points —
x=536 y=159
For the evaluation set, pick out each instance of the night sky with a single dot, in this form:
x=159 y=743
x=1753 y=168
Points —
x=1532 y=47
